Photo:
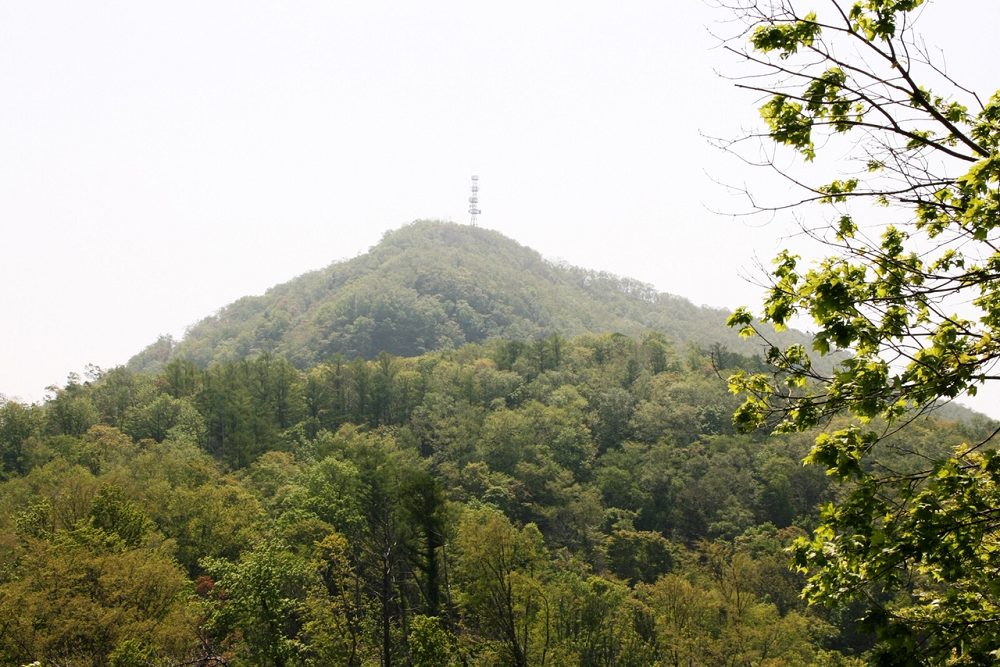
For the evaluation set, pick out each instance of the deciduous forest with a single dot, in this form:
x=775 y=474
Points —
x=450 y=451
x=564 y=501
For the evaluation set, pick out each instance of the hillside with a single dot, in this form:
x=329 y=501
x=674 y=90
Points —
x=403 y=510
x=594 y=489
x=431 y=286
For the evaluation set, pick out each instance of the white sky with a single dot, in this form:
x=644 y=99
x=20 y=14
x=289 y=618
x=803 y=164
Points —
x=158 y=160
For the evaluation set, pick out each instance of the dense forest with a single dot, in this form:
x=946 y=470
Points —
x=436 y=453
x=560 y=501
x=433 y=285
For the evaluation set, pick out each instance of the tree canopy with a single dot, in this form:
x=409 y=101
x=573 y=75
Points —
x=577 y=501
x=912 y=293
x=436 y=285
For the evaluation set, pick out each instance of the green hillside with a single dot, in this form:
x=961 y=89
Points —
x=408 y=511
x=432 y=286
x=583 y=501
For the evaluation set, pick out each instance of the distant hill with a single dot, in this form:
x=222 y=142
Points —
x=433 y=285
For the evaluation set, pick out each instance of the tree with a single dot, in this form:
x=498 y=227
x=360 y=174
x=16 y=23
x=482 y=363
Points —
x=423 y=503
x=115 y=514
x=917 y=309
x=18 y=424
x=499 y=567
x=260 y=603
x=79 y=598
x=429 y=643
x=181 y=378
x=69 y=410
x=334 y=625
x=639 y=555
x=597 y=620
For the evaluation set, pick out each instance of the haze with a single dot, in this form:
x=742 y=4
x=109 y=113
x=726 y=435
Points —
x=159 y=160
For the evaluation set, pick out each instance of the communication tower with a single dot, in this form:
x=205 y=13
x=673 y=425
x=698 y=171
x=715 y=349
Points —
x=474 y=202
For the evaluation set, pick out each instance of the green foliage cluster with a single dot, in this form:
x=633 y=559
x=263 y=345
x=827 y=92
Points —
x=915 y=303
x=435 y=286
x=571 y=502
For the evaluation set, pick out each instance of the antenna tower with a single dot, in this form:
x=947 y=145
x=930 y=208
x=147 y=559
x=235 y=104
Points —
x=474 y=202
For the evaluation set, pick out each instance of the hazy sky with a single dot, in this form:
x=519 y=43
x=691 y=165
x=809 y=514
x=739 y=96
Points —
x=158 y=160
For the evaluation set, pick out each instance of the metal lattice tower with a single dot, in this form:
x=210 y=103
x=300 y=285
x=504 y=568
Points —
x=474 y=202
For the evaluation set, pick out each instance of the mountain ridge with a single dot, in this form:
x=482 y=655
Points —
x=432 y=285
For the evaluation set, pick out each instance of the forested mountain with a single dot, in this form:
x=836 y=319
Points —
x=563 y=502
x=431 y=286
x=571 y=502
x=262 y=494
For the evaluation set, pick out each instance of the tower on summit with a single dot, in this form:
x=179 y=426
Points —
x=474 y=202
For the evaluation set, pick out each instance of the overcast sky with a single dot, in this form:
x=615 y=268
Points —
x=159 y=160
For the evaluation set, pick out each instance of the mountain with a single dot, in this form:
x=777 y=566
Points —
x=435 y=285
x=268 y=508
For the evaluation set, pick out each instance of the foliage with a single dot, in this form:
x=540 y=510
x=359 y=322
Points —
x=429 y=644
x=18 y=425
x=260 y=604
x=115 y=515
x=333 y=628
x=500 y=577
x=496 y=504
x=917 y=307
x=433 y=286
x=79 y=597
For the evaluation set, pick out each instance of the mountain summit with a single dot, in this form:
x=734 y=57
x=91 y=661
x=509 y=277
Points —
x=434 y=285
